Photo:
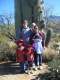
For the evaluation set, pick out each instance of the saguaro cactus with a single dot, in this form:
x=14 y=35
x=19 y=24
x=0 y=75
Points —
x=27 y=9
x=48 y=38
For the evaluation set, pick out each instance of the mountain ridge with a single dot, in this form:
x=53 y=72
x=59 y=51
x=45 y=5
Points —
x=57 y=18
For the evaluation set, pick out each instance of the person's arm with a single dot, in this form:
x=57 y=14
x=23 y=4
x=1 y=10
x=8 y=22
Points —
x=43 y=41
x=31 y=38
x=42 y=34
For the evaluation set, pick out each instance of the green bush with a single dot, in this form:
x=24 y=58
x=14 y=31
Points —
x=48 y=38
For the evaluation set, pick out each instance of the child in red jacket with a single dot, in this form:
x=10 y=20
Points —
x=24 y=54
x=29 y=57
x=20 y=54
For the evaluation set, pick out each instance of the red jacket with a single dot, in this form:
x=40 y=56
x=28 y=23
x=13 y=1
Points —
x=26 y=54
x=29 y=53
x=19 y=52
x=20 y=56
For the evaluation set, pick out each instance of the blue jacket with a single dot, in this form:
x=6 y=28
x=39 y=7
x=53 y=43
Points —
x=25 y=34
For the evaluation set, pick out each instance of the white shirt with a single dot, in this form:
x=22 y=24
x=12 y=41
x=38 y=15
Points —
x=37 y=45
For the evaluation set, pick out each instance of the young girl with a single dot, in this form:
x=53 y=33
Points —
x=37 y=46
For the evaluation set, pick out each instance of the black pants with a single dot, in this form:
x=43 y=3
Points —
x=38 y=59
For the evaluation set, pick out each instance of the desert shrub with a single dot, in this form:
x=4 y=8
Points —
x=7 y=56
x=7 y=50
x=55 y=63
x=12 y=48
x=48 y=54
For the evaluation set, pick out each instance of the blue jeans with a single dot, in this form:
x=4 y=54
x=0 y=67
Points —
x=22 y=66
x=38 y=59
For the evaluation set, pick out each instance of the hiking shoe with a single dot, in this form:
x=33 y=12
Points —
x=35 y=69
x=38 y=68
x=28 y=72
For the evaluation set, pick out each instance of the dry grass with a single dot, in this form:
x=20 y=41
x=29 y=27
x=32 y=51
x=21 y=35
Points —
x=49 y=54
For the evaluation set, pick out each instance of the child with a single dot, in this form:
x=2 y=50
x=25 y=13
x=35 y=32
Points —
x=25 y=32
x=20 y=54
x=24 y=56
x=37 y=46
x=30 y=57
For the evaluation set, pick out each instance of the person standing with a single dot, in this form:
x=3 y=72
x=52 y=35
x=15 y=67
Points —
x=20 y=51
x=25 y=32
x=25 y=36
x=32 y=33
x=38 y=48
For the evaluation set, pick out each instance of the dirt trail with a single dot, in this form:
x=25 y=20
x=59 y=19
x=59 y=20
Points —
x=10 y=71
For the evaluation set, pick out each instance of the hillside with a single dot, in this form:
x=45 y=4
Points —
x=54 y=18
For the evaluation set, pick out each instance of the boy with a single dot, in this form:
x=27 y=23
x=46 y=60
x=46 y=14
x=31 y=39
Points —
x=25 y=32
x=20 y=55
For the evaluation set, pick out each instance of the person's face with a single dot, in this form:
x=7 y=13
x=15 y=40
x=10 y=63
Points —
x=20 y=44
x=33 y=24
x=36 y=29
x=25 y=24
x=32 y=28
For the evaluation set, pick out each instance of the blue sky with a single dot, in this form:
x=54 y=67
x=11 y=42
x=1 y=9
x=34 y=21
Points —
x=55 y=4
x=7 y=6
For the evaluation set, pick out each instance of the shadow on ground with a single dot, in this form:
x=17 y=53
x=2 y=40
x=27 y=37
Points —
x=14 y=68
x=52 y=75
x=9 y=68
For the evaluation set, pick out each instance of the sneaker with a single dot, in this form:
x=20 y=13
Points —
x=38 y=67
x=28 y=72
x=35 y=69
x=31 y=72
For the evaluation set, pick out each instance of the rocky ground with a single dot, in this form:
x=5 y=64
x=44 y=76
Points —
x=10 y=71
